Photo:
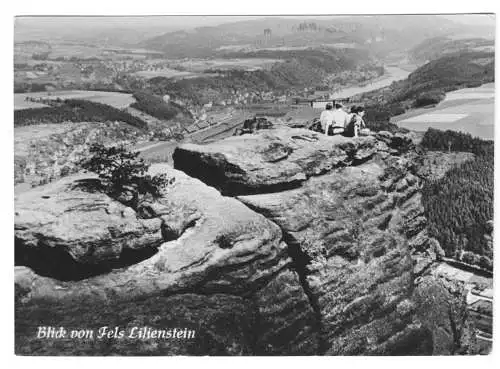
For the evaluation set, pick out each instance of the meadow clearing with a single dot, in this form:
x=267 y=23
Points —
x=469 y=110
x=115 y=99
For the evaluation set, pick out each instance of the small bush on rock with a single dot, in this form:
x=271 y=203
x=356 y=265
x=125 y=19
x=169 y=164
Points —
x=123 y=174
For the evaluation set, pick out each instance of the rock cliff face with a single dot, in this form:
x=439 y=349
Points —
x=217 y=267
x=316 y=253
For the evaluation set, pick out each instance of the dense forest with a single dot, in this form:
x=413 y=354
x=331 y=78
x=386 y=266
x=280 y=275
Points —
x=73 y=110
x=459 y=206
x=435 y=139
x=156 y=106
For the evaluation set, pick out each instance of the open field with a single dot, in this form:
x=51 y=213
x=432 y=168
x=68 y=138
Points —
x=57 y=49
x=20 y=103
x=469 y=110
x=115 y=99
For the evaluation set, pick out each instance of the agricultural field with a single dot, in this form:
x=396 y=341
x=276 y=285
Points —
x=115 y=99
x=469 y=110
x=23 y=51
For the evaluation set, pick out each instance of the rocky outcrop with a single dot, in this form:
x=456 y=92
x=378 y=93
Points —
x=217 y=269
x=73 y=227
x=271 y=161
x=442 y=308
x=315 y=254
x=351 y=215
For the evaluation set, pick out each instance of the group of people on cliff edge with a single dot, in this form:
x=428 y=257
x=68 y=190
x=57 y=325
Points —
x=339 y=122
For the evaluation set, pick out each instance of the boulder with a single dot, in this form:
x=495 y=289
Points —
x=217 y=270
x=70 y=224
x=351 y=214
x=441 y=306
x=271 y=160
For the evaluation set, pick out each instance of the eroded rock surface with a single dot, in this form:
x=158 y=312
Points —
x=353 y=222
x=71 y=222
x=217 y=253
x=347 y=227
x=272 y=160
x=315 y=254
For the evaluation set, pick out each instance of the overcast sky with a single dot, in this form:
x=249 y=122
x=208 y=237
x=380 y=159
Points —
x=194 y=21
x=27 y=28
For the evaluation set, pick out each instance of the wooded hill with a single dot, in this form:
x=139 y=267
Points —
x=74 y=110
x=428 y=84
x=459 y=206
x=436 y=47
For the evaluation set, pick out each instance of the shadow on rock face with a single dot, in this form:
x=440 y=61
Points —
x=58 y=264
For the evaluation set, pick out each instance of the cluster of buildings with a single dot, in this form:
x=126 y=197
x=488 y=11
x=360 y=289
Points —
x=318 y=100
x=202 y=124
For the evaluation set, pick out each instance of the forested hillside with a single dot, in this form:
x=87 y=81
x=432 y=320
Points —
x=436 y=47
x=73 y=110
x=459 y=206
x=428 y=84
x=157 y=107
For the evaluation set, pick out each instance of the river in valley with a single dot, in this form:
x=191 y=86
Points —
x=392 y=74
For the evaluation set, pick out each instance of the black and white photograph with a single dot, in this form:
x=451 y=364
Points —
x=253 y=185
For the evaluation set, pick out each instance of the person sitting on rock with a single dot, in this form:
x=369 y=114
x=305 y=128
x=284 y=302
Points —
x=356 y=122
x=326 y=118
x=340 y=120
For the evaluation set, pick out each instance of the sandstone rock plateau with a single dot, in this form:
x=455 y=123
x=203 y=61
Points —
x=284 y=242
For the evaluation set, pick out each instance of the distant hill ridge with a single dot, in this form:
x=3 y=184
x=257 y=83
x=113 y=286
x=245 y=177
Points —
x=436 y=47
x=375 y=32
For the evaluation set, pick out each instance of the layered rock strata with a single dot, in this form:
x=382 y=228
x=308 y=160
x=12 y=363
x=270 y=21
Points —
x=315 y=254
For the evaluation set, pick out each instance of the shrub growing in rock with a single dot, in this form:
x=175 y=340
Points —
x=123 y=174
